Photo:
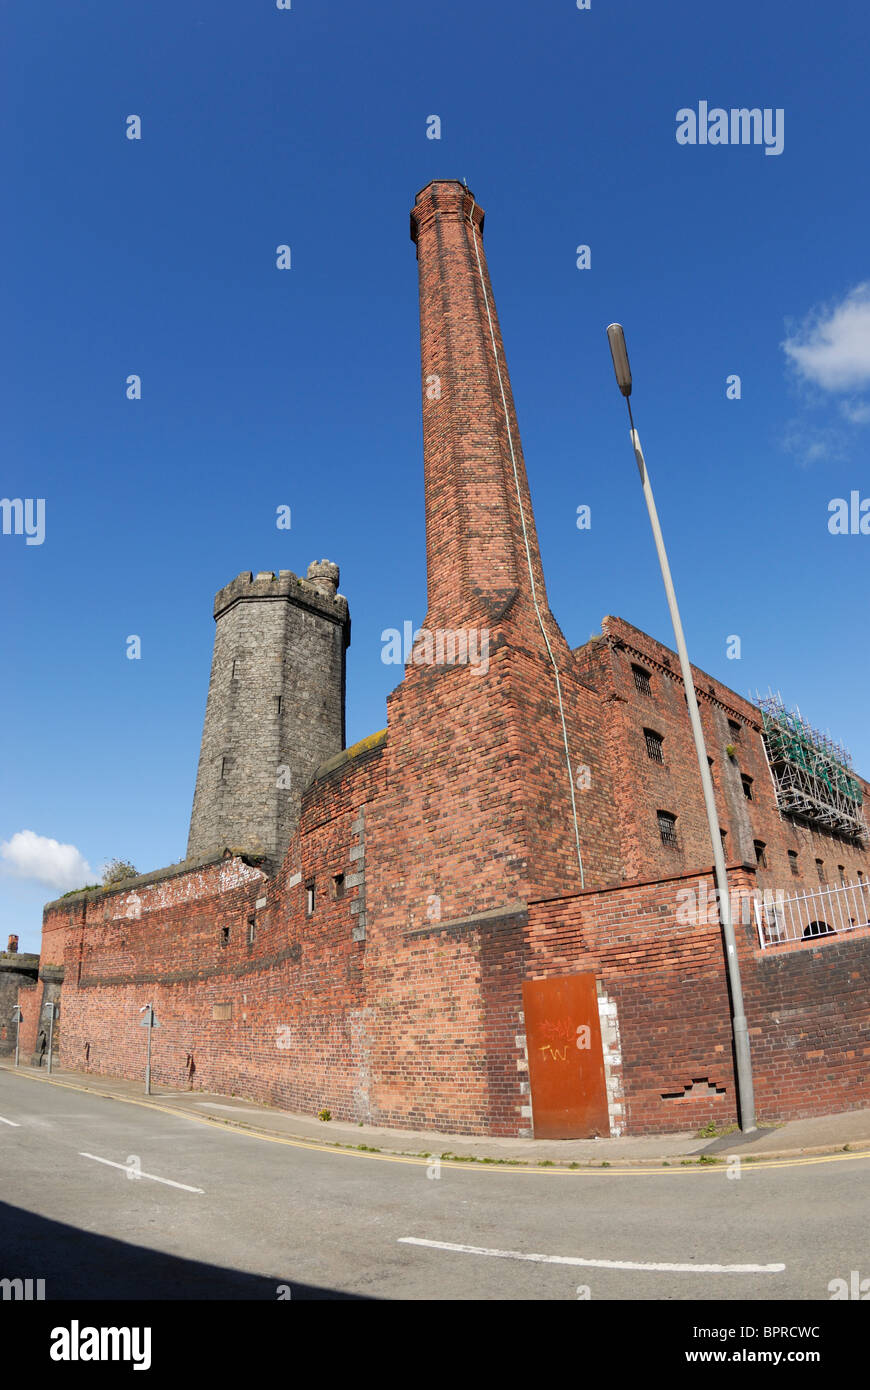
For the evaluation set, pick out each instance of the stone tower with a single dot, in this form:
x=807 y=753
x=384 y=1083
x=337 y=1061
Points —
x=275 y=707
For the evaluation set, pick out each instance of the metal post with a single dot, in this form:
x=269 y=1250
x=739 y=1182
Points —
x=746 y=1096
x=50 y=1035
x=150 y=1018
x=17 y=1031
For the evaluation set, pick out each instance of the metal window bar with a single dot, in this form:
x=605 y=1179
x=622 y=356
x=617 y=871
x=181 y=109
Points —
x=668 y=829
x=641 y=680
x=654 y=746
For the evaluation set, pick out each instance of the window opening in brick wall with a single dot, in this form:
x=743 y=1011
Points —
x=225 y=936
x=760 y=853
x=641 y=680
x=252 y=929
x=747 y=786
x=820 y=870
x=654 y=743
x=793 y=862
x=818 y=929
x=735 y=730
x=667 y=827
x=338 y=885
x=278 y=702
x=841 y=870
x=309 y=898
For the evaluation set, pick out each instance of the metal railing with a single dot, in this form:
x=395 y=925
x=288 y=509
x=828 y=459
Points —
x=821 y=912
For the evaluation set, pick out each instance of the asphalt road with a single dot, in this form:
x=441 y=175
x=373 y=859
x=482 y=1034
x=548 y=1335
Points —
x=248 y=1216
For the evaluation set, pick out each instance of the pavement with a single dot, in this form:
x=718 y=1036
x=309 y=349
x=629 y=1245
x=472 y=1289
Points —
x=847 y=1131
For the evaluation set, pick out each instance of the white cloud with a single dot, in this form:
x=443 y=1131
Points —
x=28 y=855
x=858 y=413
x=810 y=444
x=831 y=348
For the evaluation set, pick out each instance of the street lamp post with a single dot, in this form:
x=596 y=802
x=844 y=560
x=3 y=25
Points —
x=148 y=1022
x=51 y=1010
x=16 y=1019
x=740 y=1031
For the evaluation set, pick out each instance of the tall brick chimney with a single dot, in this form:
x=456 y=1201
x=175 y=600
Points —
x=481 y=541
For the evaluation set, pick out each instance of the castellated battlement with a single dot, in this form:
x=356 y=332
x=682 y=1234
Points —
x=317 y=591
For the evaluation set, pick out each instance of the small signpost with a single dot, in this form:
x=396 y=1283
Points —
x=149 y=1021
x=16 y=1019
x=52 y=1011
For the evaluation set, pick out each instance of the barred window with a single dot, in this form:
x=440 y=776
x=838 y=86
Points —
x=667 y=827
x=654 y=743
x=641 y=680
x=760 y=853
x=820 y=869
x=735 y=730
x=793 y=862
x=747 y=786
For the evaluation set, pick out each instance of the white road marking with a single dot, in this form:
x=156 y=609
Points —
x=125 y=1167
x=13 y=1123
x=593 y=1264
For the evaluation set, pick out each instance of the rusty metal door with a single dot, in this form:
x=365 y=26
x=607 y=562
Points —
x=566 y=1062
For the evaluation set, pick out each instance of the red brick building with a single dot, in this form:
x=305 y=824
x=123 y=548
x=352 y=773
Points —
x=498 y=899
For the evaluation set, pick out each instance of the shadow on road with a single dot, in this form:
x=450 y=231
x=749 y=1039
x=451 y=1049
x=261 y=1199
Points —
x=78 y=1264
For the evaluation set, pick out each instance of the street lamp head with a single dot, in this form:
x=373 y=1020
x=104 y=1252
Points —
x=619 y=353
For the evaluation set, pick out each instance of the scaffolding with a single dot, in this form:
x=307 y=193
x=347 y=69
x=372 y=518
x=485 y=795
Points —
x=814 y=777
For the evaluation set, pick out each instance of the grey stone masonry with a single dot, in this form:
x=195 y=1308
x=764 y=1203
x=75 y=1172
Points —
x=275 y=708
x=358 y=880
x=17 y=969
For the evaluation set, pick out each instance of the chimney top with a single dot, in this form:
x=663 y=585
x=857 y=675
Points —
x=13 y=945
x=444 y=198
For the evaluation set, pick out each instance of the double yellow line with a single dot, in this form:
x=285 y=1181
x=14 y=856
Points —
x=677 y=1168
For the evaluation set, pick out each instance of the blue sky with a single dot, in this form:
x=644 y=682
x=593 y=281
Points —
x=263 y=388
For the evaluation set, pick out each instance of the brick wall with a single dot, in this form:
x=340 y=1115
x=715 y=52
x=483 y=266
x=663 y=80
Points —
x=279 y=1017
x=807 y=1006
x=643 y=786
